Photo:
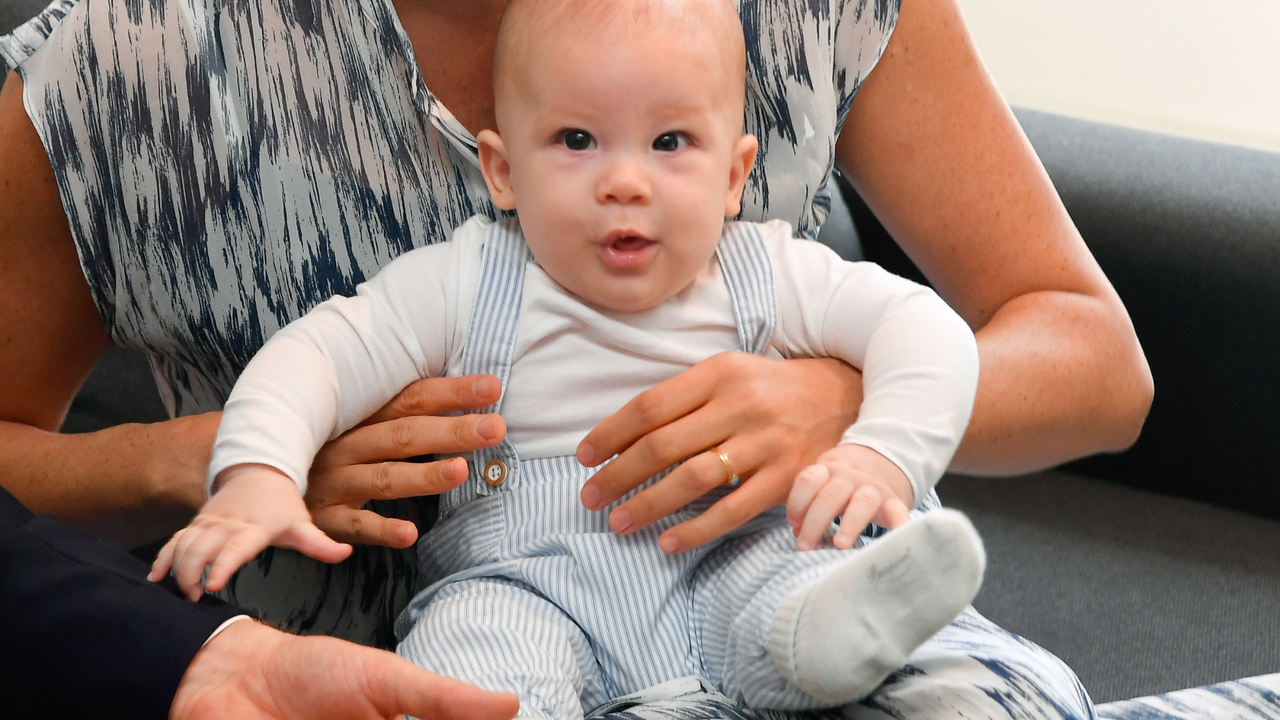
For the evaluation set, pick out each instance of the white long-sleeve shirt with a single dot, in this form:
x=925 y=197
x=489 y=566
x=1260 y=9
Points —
x=575 y=364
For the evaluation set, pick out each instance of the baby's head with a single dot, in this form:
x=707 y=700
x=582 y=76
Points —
x=619 y=140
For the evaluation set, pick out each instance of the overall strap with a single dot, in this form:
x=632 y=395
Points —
x=748 y=273
x=491 y=340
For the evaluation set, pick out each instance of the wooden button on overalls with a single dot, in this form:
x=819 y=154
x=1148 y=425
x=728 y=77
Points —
x=495 y=472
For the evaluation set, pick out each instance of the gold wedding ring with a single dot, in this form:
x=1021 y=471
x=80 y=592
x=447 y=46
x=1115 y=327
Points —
x=732 y=478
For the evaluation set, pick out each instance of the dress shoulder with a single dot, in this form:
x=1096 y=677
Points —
x=805 y=63
x=23 y=41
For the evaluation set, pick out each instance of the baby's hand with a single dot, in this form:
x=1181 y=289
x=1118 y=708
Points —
x=254 y=507
x=852 y=481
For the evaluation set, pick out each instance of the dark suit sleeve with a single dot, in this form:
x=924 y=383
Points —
x=81 y=628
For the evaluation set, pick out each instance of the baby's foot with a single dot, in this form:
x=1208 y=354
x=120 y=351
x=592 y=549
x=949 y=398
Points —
x=840 y=637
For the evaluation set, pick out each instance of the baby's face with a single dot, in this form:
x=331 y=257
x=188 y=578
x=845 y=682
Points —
x=622 y=159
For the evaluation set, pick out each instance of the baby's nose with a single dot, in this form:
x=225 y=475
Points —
x=625 y=182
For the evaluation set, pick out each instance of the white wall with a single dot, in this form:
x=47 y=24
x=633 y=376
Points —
x=1208 y=69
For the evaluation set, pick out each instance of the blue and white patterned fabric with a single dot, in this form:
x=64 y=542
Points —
x=226 y=165
x=692 y=698
x=1256 y=698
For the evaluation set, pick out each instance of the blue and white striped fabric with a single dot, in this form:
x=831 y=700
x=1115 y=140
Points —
x=1255 y=698
x=534 y=594
x=645 y=616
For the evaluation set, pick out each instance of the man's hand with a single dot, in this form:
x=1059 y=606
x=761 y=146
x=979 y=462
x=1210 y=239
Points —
x=852 y=481
x=251 y=672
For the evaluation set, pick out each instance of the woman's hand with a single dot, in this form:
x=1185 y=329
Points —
x=771 y=418
x=369 y=461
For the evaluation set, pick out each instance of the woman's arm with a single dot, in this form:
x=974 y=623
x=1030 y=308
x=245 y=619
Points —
x=51 y=335
x=136 y=483
x=937 y=154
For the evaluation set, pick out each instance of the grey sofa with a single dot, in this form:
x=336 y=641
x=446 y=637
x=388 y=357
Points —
x=1148 y=571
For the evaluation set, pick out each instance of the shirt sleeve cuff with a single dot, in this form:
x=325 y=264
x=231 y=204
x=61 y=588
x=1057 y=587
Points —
x=226 y=624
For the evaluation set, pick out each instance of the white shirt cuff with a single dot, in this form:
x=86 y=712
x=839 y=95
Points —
x=224 y=626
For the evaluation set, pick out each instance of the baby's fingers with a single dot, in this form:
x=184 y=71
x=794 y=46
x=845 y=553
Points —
x=239 y=548
x=827 y=505
x=803 y=491
x=893 y=513
x=163 y=562
x=866 y=501
x=311 y=541
x=195 y=548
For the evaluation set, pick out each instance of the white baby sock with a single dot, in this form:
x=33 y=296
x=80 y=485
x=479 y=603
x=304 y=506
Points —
x=838 y=638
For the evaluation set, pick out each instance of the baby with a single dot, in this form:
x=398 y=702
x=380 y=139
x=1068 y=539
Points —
x=620 y=149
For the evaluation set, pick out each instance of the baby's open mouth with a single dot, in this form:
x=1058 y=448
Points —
x=630 y=243
x=627 y=249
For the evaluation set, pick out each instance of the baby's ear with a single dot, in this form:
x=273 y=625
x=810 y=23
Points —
x=496 y=169
x=744 y=156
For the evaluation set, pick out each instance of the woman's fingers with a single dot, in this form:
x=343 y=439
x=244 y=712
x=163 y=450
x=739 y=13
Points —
x=651 y=453
x=763 y=490
x=336 y=502
x=694 y=478
x=409 y=437
x=440 y=396
x=784 y=413
x=366 y=463
x=311 y=541
x=388 y=480
x=651 y=410
x=357 y=525
x=683 y=436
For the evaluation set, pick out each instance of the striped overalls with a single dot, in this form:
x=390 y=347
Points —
x=541 y=598
x=536 y=595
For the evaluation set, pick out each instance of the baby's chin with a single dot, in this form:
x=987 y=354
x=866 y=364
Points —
x=625 y=295
x=613 y=303
x=622 y=287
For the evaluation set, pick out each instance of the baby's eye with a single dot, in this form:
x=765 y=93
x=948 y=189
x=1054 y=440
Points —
x=670 y=142
x=577 y=140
